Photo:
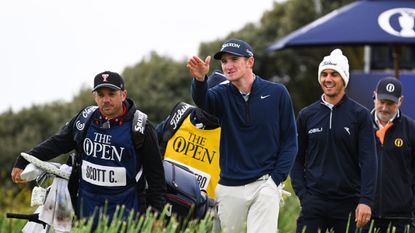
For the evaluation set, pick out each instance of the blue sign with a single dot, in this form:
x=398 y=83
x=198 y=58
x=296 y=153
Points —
x=362 y=85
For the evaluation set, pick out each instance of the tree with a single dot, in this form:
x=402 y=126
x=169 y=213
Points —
x=296 y=68
x=157 y=84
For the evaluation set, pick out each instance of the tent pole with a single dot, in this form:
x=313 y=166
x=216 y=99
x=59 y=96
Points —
x=366 y=58
x=396 y=59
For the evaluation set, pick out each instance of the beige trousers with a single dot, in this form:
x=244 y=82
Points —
x=250 y=208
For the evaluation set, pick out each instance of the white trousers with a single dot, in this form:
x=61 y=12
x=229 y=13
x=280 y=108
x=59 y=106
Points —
x=253 y=207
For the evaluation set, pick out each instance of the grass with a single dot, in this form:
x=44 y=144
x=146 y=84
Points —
x=146 y=223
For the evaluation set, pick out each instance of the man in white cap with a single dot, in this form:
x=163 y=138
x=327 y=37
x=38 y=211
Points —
x=395 y=144
x=334 y=174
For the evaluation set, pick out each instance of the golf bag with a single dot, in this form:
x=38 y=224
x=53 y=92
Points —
x=183 y=191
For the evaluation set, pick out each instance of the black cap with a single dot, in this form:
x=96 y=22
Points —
x=389 y=89
x=108 y=79
x=215 y=78
x=236 y=47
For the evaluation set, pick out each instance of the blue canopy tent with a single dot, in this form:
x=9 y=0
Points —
x=365 y=22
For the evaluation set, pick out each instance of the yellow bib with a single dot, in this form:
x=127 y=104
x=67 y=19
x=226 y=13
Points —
x=197 y=149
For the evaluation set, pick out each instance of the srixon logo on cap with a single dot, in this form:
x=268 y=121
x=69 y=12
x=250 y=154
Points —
x=105 y=77
x=234 y=45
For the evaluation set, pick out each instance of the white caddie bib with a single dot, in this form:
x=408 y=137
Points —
x=103 y=175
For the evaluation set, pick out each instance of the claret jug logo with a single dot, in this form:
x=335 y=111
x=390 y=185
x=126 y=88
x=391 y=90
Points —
x=398 y=22
x=390 y=87
x=195 y=147
x=100 y=147
x=398 y=142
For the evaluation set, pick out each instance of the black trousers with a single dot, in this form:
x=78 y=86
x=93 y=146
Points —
x=322 y=214
x=381 y=225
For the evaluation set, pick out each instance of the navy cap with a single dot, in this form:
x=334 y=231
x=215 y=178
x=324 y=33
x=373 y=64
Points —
x=236 y=47
x=108 y=79
x=389 y=89
x=215 y=78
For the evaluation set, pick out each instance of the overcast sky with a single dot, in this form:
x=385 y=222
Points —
x=49 y=49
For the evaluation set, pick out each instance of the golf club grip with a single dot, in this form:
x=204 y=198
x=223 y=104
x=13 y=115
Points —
x=29 y=217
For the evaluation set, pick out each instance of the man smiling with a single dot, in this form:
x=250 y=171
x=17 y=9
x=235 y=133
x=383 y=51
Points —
x=334 y=173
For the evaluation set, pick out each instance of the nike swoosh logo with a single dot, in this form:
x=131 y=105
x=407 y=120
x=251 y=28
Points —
x=266 y=96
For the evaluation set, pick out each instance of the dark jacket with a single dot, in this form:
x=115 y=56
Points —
x=63 y=142
x=258 y=137
x=336 y=158
x=396 y=169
